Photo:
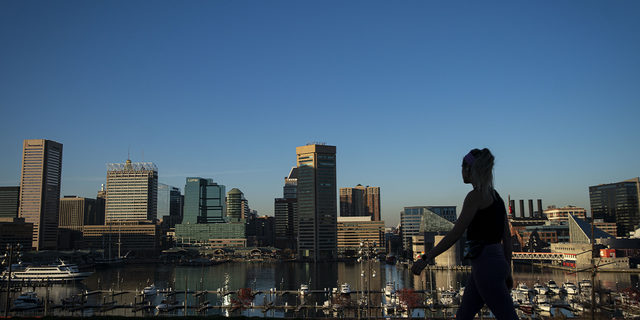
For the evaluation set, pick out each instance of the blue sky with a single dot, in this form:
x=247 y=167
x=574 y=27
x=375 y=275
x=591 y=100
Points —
x=228 y=89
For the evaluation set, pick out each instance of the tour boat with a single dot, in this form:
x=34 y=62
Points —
x=56 y=273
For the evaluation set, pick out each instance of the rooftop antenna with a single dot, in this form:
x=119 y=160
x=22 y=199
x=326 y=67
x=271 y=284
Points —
x=142 y=155
x=128 y=153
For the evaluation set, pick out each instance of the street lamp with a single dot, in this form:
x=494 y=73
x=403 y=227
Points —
x=366 y=247
x=8 y=260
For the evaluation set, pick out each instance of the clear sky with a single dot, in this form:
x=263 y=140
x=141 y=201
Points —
x=228 y=89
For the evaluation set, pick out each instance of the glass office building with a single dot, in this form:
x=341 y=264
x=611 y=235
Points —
x=411 y=220
x=617 y=203
x=204 y=201
x=317 y=204
x=169 y=201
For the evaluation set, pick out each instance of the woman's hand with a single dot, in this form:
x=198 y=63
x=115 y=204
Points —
x=418 y=266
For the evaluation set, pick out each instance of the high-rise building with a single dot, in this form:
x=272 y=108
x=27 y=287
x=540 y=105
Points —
x=40 y=190
x=77 y=212
x=286 y=213
x=317 y=207
x=9 y=202
x=132 y=191
x=169 y=201
x=237 y=205
x=203 y=201
x=617 y=203
x=360 y=202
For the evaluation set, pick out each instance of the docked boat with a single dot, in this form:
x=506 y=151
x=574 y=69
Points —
x=585 y=286
x=540 y=289
x=345 y=288
x=57 y=273
x=448 y=298
x=304 y=289
x=519 y=297
x=553 y=287
x=27 y=300
x=390 y=289
x=149 y=291
x=523 y=287
x=570 y=288
x=542 y=302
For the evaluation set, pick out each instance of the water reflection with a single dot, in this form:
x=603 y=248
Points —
x=268 y=277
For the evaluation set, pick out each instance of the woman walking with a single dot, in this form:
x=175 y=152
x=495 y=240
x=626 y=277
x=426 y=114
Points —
x=488 y=247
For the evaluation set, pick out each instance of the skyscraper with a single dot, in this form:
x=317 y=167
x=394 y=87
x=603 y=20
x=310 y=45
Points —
x=132 y=191
x=203 y=201
x=237 y=205
x=9 y=202
x=317 y=208
x=286 y=213
x=617 y=202
x=360 y=202
x=77 y=212
x=40 y=190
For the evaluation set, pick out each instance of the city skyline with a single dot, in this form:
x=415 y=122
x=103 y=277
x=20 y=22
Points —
x=228 y=90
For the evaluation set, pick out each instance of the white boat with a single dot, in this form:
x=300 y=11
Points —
x=448 y=298
x=163 y=307
x=149 y=291
x=390 y=289
x=523 y=287
x=553 y=287
x=540 y=289
x=56 y=273
x=570 y=288
x=304 y=289
x=345 y=289
x=519 y=297
x=542 y=302
x=584 y=286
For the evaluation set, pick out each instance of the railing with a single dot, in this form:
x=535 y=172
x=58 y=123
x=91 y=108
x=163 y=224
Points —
x=542 y=256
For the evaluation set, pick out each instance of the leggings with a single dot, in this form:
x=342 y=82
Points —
x=487 y=284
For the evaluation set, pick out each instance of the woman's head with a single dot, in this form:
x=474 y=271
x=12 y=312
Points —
x=477 y=169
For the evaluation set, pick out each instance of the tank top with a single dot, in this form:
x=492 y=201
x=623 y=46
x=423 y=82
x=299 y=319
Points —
x=488 y=223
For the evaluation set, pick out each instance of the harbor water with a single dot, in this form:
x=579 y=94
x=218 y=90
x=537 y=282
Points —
x=278 y=284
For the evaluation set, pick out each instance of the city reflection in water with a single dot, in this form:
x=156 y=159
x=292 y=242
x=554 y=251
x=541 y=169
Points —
x=268 y=277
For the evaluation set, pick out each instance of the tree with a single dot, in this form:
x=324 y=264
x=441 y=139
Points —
x=409 y=300
x=245 y=297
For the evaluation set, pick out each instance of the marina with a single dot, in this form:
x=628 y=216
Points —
x=289 y=289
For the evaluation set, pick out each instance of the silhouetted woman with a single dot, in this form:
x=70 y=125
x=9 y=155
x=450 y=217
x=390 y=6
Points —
x=488 y=246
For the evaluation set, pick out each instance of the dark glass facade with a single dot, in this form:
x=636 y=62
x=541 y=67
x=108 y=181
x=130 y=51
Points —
x=203 y=201
x=317 y=205
x=9 y=202
x=618 y=203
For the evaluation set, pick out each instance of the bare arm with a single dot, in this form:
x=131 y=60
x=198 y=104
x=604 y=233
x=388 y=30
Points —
x=472 y=203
